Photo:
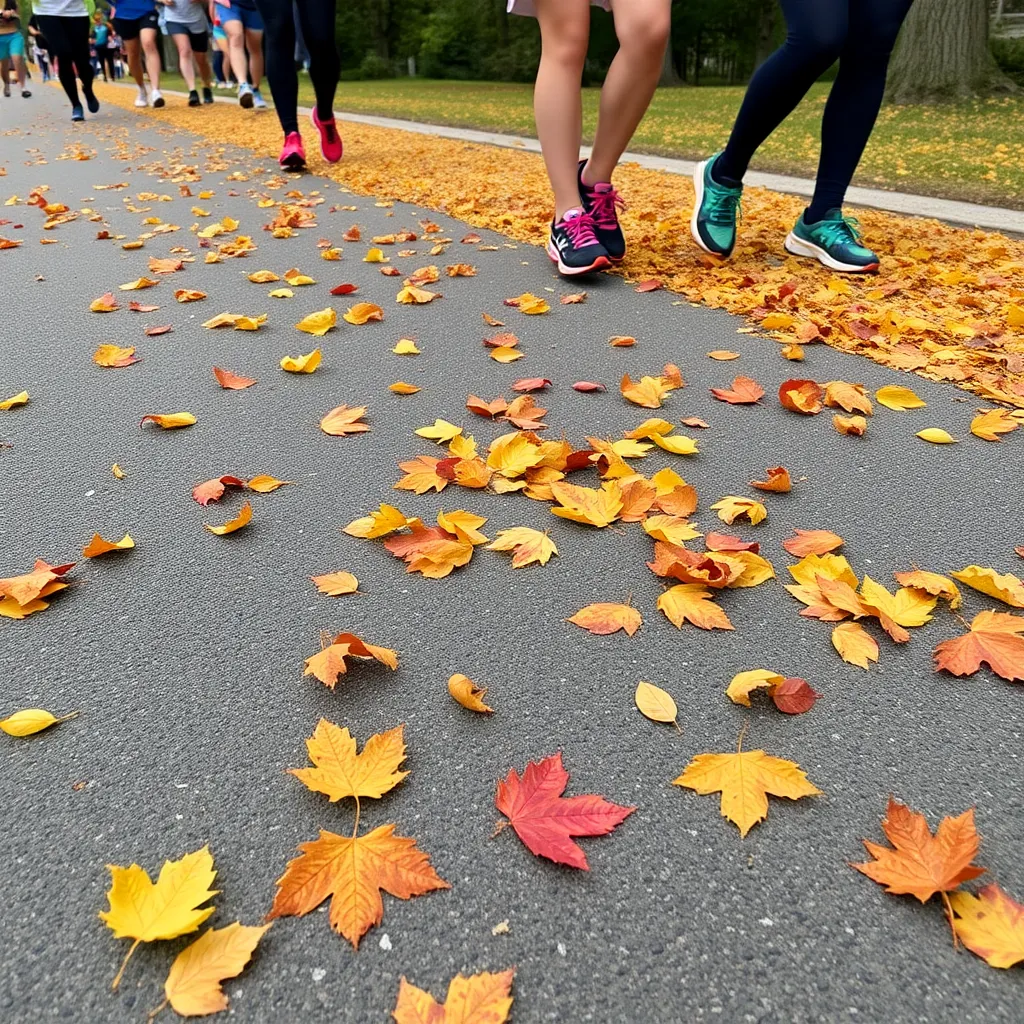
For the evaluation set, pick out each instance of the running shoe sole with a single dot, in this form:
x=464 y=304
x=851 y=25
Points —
x=601 y=263
x=293 y=163
x=159 y=101
x=245 y=100
x=797 y=246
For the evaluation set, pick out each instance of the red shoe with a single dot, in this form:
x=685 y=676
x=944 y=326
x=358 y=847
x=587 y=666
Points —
x=330 y=140
x=293 y=156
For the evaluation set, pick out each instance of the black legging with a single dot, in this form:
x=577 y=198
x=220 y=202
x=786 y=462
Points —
x=106 y=55
x=316 y=18
x=861 y=35
x=68 y=40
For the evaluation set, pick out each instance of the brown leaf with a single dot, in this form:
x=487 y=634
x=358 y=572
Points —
x=651 y=285
x=232 y=381
x=794 y=696
x=803 y=396
x=622 y=341
x=588 y=385
x=778 y=481
x=571 y=300
x=531 y=384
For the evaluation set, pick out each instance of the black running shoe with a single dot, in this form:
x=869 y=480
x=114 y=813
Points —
x=603 y=203
x=207 y=94
x=193 y=98
x=573 y=244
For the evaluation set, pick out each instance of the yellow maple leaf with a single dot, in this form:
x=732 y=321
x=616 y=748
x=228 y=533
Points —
x=479 y=999
x=511 y=455
x=855 y=645
x=671 y=529
x=990 y=924
x=1007 y=588
x=587 y=505
x=146 y=911
x=990 y=423
x=529 y=303
x=746 y=779
x=526 y=544
x=733 y=507
x=192 y=988
x=385 y=520
x=340 y=772
x=692 y=602
x=441 y=431
x=302 y=364
x=647 y=392
x=464 y=525
x=907 y=607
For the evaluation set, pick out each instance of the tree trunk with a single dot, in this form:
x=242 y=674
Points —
x=766 y=21
x=668 y=66
x=943 y=54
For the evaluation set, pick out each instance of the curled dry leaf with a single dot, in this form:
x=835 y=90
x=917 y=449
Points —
x=263 y=277
x=363 y=313
x=574 y=299
x=319 y=323
x=851 y=425
x=604 y=619
x=933 y=583
x=330 y=662
x=531 y=384
x=401 y=388
x=744 y=391
x=778 y=481
x=803 y=396
x=106 y=303
x=243 y=518
x=189 y=295
x=656 y=704
x=621 y=341
x=30 y=721
x=213 y=490
x=588 y=385
x=15 y=400
x=344 y=289
x=468 y=694
x=411 y=295
x=169 y=421
x=302 y=364
x=98 y=546
x=138 y=284
x=1009 y=589
x=344 y=420
x=232 y=381
x=793 y=352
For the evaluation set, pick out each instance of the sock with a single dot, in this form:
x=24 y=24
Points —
x=723 y=179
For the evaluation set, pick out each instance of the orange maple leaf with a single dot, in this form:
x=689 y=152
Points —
x=996 y=638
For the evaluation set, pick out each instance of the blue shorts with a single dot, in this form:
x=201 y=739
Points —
x=12 y=45
x=248 y=16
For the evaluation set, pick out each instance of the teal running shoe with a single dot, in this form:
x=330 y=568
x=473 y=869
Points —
x=715 y=211
x=833 y=241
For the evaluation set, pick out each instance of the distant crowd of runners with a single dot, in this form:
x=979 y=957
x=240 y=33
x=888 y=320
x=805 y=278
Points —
x=71 y=36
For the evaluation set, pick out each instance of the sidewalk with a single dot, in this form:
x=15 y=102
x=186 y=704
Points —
x=185 y=655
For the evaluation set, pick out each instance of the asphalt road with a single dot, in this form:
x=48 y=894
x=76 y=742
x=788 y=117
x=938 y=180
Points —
x=185 y=656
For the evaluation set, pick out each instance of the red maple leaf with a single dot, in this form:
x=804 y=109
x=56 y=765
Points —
x=545 y=820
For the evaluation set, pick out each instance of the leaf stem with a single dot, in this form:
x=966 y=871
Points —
x=67 y=718
x=158 y=1010
x=124 y=964
x=739 y=742
x=355 y=829
x=949 y=917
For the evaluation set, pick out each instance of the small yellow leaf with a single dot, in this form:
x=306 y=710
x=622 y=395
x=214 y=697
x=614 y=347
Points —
x=10 y=403
x=117 y=471
x=139 y=283
x=893 y=396
x=319 y=323
x=441 y=431
x=363 y=312
x=296 y=278
x=468 y=694
x=264 y=484
x=170 y=421
x=281 y=293
x=98 y=546
x=302 y=364
x=936 y=436
x=242 y=519
x=657 y=705
x=744 y=683
x=334 y=584
x=263 y=277
x=401 y=388
x=375 y=256
x=406 y=347
x=31 y=720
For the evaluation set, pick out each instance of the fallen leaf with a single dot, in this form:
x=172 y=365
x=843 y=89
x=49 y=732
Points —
x=603 y=619
x=281 y=293
x=918 y=863
x=793 y=352
x=778 y=481
x=19 y=399
x=213 y=490
x=232 y=381
x=528 y=303
x=193 y=986
x=117 y=471
x=385 y=520
x=527 y=545
x=723 y=355
x=263 y=277
x=169 y=421
x=330 y=663
x=586 y=505
x=794 y=696
x=354 y=872
x=468 y=694
x=146 y=911
x=812 y=542
x=546 y=821
x=894 y=396
x=302 y=364
x=344 y=420
x=114 y=356
x=339 y=772
x=744 y=391
x=30 y=721
x=990 y=925
x=489 y=409
x=243 y=518
x=297 y=279
x=854 y=644
x=479 y=999
x=406 y=347
x=936 y=435
x=335 y=584
x=803 y=396
x=138 y=284
x=152 y=332
x=363 y=312
x=319 y=323
x=621 y=341
x=733 y=507
x=647 y=392
x=990 y=423
x=692 y=602
x=421 y=475
x=851 y=397
x=264 y=484
x=851 y=425
x=344 y=289
x=995 y=639
x=531 y=384
x=1009 y=589
x=588 y=385
x=411 y=295
x=746 y=779
x=651 y=285
x=462 y=270
x=106 y=303
x=401 y=388
x=98 y=546
x=656 y=704
x=189 y=295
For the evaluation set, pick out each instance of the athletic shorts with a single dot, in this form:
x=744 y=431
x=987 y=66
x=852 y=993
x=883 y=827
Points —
x=197 y=39
x=526 y=6
x=129 y=28
x=12 y=45
x=248 y=16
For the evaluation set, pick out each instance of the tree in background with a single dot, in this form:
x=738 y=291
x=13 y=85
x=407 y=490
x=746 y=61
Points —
x=943 y=54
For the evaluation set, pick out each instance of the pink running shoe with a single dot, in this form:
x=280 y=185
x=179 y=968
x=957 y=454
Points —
x=293 y=156
x=330 y=140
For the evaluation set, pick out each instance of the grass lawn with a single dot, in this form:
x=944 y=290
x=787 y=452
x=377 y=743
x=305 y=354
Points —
x=972 y=150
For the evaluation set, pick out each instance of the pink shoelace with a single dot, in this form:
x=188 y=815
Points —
x=580 y=229
x=606 y=202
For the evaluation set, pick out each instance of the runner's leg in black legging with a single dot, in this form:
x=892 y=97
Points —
x=855 y=100
x=316 y=17
x=279 y=44
x=816 y=32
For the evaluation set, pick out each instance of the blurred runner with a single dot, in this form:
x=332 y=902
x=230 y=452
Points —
x=12 y=47
x=185 y=22
x=65 y=25
x=136 y=23
x=243 y=26
x=316 y=19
